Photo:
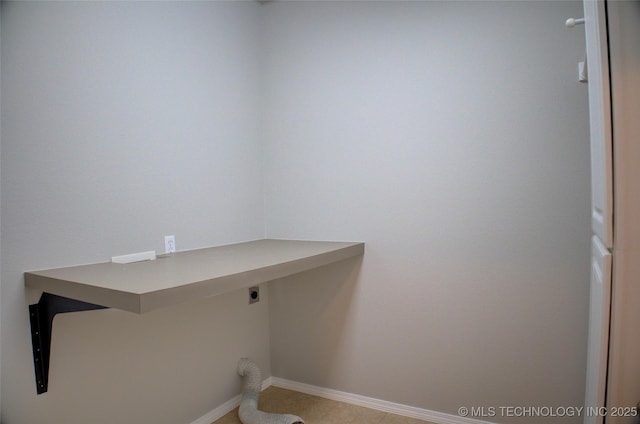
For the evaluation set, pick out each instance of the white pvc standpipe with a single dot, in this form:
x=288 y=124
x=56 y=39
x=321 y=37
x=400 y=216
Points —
x=248 y=412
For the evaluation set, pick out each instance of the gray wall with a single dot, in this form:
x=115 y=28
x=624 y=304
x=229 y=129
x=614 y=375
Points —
x=453 y=138
x=123 y=122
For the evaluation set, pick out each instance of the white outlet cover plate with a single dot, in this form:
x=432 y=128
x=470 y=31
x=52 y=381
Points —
x=169 y=244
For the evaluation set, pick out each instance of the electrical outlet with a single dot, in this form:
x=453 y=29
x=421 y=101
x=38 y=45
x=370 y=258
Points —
x=254 y=295
x=169 y=244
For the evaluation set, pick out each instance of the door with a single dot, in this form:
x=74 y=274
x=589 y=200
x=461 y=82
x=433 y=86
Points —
x=599 y=121
x=598 y=345
x=601 y=206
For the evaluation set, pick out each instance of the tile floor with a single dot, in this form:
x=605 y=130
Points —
x=317 y=410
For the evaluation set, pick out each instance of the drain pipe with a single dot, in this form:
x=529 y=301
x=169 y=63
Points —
x=248 y=411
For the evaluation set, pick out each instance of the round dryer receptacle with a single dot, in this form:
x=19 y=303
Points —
x=254 y=295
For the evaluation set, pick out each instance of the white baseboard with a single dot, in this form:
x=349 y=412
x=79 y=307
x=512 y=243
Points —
x=368 y=402
x=377 y=404
x=225 y=408
x=219 y=412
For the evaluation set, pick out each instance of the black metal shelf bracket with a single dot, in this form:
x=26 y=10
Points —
x=41 y=316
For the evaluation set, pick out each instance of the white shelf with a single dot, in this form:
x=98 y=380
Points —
x=144 y=286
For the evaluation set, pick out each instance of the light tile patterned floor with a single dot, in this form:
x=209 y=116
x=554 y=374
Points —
x=317 y=410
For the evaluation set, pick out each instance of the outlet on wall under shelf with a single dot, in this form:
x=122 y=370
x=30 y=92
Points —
x=254 y=295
